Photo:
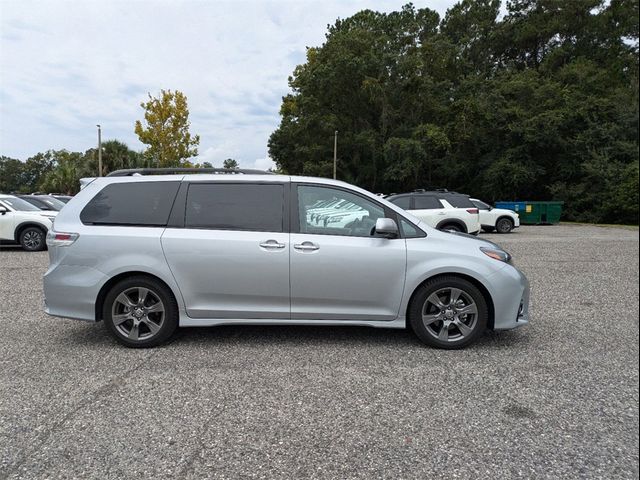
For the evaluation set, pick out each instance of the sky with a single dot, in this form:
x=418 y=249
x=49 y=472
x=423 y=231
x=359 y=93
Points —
x=66 y=66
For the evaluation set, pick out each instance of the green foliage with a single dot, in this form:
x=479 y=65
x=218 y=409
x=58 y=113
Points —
x=60 y=171
x=167 y=130
x=230 y=164
x=540 y=104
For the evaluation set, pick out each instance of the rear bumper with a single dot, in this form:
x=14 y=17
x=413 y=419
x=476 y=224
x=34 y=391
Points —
x=71 y=291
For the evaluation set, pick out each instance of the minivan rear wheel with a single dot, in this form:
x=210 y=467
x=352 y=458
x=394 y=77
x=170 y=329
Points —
x=448 y=312
x=140 y=312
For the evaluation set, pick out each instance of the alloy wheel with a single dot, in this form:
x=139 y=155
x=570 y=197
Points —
x=32 y=240
x=138 y=313
x=450 y=314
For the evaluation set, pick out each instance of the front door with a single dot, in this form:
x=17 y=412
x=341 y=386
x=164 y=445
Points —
x=231 y=259
x=339 y=270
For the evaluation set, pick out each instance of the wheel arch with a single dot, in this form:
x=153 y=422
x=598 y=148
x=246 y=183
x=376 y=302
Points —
x=454 y=221
x=26 y=224
x=477 y=283
x=503 y=217
x=104 y=290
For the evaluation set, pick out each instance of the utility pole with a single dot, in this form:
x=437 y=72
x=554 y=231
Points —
x=335 y=153
x=99 y=151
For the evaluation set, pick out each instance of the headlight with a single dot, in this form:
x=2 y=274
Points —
x=496 y=254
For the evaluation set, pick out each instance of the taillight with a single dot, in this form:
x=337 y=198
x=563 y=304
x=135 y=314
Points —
x=61 y=239
x=473 y=210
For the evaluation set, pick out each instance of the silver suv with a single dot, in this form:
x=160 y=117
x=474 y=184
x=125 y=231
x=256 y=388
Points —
x=150 y=253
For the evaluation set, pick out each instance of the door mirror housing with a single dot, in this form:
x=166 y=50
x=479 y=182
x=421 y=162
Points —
x=3 y=210
x=386 y=228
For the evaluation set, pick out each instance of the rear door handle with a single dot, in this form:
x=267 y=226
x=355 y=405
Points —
x=306 y=247
x=272 y=244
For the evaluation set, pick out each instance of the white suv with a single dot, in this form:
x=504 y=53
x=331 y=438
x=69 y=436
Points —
x=441 y=209
x=499 y=219
x=23 y=223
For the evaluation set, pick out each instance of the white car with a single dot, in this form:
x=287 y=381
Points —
x=23 y=223
x=499 y=219
x=441 y=209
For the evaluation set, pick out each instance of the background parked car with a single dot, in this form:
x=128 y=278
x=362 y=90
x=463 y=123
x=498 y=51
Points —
x=499 y=219
x=23 y=223
x=441 y=209
x=44 y=202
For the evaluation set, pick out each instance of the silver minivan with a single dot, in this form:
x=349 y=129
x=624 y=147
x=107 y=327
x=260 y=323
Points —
x=148 y=251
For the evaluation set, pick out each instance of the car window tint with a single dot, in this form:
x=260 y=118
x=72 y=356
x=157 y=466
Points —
x=20 y=205
x=424 y=202
x=235 y=207
x=409 y=230
x=480 y=205
x=344 y=214
x=402 y=202
x=131 y=203
x=459 y=201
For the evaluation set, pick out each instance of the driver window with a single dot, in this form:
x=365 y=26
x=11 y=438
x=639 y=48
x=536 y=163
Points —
x=329 y=211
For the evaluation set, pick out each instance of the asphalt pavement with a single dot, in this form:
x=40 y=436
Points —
x=557 y=399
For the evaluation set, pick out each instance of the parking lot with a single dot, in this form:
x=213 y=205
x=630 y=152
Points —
x=558 y=398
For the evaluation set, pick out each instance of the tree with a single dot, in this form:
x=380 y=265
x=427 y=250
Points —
x=539 y=104
x=230 y=164
x=11 y=174
x=116 y=155
x=167 y=129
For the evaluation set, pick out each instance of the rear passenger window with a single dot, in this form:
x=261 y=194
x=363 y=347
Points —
x=131 y=203
x=422 y=202
x=235 y=206
x=402 y=202
x=459 y=201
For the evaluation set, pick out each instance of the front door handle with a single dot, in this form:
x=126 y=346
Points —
x=272 y=244
x=306 y=247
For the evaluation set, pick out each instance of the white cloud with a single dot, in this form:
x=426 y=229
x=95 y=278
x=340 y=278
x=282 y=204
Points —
x=66 y=66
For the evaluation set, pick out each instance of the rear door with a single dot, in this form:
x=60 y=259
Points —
x=231 y=256
x=428 y=209
x=339 y=270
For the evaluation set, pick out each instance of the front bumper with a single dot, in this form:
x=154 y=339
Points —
x=511 y=293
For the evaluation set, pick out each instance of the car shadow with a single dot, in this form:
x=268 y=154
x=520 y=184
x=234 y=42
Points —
x=291 y=335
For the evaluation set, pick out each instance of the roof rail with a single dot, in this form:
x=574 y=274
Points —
x=170 y=170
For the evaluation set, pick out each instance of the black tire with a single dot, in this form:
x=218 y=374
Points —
x=33 y=239
x=456 y=337
x=451 y=227
x=504 y=225
x=147 y=326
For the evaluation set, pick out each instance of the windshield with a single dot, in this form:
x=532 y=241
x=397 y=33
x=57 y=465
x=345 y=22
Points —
x=52 y=202
x=20 y=205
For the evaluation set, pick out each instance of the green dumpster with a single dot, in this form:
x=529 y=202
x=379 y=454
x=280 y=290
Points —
x=535 y=213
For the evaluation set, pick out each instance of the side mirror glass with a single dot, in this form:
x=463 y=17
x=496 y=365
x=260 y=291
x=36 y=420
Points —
x=3 y=209
x=386 y=228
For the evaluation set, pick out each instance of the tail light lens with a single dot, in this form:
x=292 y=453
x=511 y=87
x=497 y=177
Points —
x=61 y=239
x=473 y=210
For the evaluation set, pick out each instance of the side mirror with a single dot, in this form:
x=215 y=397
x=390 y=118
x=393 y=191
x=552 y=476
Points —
x=386 y=228
x=3 y=210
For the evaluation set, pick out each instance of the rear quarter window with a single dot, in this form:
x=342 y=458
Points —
x=132 y=203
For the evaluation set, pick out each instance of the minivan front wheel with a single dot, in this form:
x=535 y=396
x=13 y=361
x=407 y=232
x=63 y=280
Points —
x=448 y=312
x=140 y=312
